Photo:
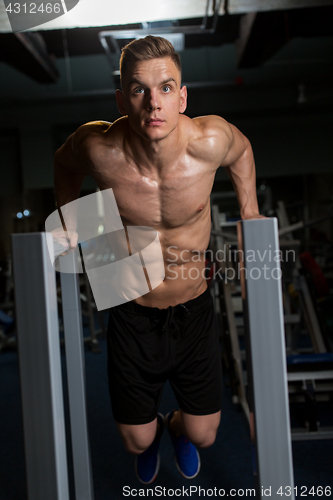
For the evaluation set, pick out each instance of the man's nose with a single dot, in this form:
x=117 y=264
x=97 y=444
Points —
x=153 y=101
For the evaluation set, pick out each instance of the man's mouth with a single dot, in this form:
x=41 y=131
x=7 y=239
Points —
x=154 y=121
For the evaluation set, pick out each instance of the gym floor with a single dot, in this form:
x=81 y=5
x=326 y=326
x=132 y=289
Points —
x=227 y=464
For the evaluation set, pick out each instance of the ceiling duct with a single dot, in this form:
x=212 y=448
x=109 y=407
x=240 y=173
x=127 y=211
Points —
x=113 y=40
x=244 y=6
x=28 y=53
x=93 y=13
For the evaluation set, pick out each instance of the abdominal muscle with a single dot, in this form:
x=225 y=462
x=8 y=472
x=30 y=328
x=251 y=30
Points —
x=182 y=283
x=184 y=267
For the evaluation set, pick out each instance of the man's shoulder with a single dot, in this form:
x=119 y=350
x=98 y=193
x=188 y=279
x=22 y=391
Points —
x=208 y=133
x=211 y=125
x=95 y=133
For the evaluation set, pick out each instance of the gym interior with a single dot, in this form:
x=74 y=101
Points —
x=266 y=67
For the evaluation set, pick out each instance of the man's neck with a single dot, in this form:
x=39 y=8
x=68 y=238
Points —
x=154 y=155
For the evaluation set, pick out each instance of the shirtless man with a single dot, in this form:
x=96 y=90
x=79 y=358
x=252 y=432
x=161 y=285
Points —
x=161 y=166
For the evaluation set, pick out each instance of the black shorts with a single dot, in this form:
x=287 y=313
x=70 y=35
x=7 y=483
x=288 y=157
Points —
x=148 y=346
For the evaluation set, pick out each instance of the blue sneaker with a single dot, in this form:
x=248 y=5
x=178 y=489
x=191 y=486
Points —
x=186 y=455
x=147 y=464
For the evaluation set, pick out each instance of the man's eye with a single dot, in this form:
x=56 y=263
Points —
x=138 y=90
x=166 y=88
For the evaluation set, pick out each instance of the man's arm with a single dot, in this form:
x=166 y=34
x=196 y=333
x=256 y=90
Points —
x=68 y=178
x=239 y=163
x=71 y=164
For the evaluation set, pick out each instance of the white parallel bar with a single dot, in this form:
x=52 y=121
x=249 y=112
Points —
x=40 y=368
x=300 y=435
x=72 y=318
x=314 y=375
x=266 y=355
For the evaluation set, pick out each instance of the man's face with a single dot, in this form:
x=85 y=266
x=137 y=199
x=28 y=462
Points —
x=152 y=97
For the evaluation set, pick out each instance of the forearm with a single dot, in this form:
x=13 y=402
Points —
x=243 y=177
x=67 y=188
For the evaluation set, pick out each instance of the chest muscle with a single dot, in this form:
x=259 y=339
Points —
x=172 y=201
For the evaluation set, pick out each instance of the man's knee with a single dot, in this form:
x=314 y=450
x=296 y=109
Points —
x=203 y=439
x=201 y=430
x=137 y=438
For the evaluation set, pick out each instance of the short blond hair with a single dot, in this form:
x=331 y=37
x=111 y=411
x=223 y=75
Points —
x=143 y=49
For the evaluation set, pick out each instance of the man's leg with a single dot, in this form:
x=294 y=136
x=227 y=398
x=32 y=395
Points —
x=136 y=381
x=143 y=440
x=187 y=432
x=137 y=438
x=199 y=429
x=196 y=382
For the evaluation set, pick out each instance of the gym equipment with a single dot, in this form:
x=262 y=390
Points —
x=40 y=370
x=225 y=306
x=265 y=354
x=72 y=318
x=309 y=382
x=266 y=377
x=310 y=370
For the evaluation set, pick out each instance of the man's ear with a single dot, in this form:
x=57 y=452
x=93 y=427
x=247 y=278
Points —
x=183 y=99
x=120 y=102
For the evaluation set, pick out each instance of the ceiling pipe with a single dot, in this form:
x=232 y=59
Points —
x=114 y=35
x=36 y=58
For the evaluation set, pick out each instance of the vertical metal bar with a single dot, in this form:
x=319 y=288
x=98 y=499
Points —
x=236 y=354
x=72 y=318
x=40 y=368
x=261 y=288
x=311 y=317
x=94 y=344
